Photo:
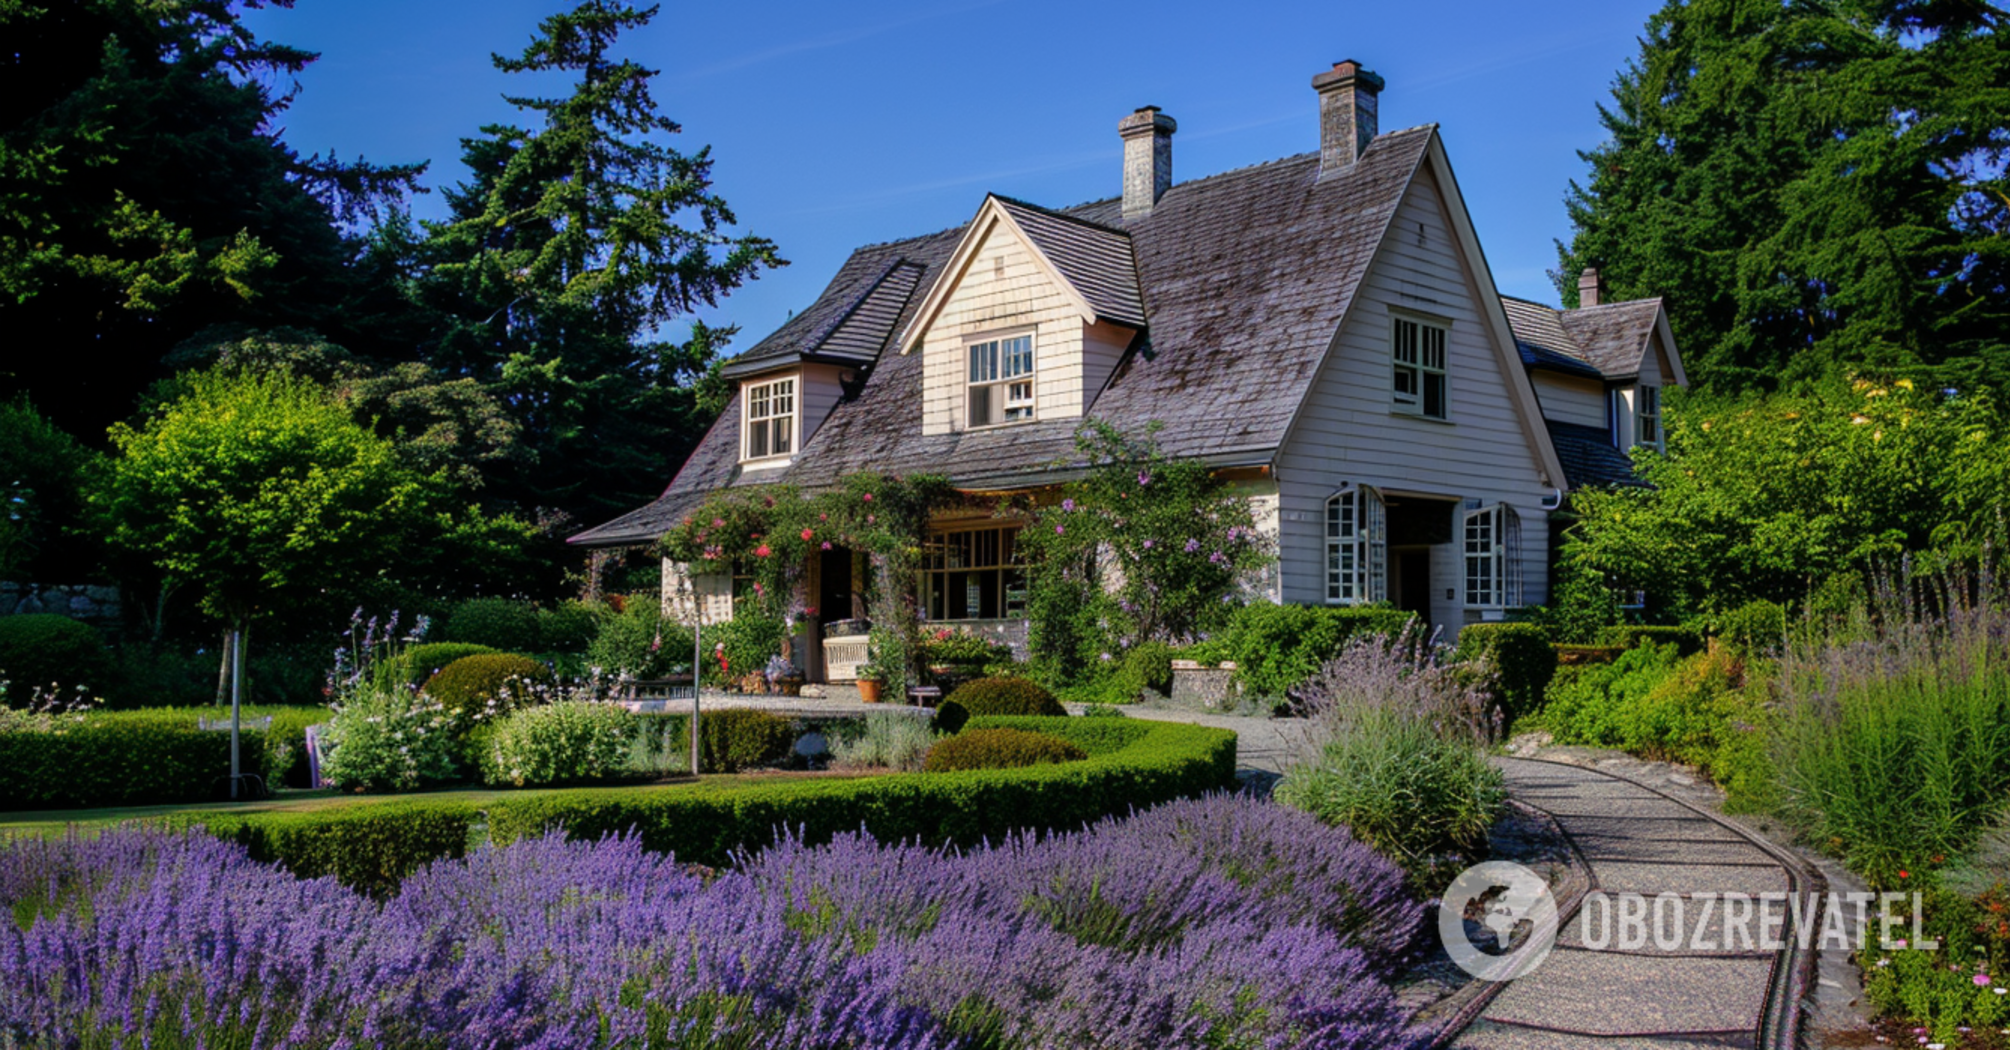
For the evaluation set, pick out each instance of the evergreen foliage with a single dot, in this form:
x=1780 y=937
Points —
x=999 y=748
x=1810 y=185
x=576 y=240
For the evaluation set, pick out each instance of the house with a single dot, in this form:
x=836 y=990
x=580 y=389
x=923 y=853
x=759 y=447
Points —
x=1321 y=330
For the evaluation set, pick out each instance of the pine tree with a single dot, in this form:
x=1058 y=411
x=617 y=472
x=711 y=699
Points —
x=145 y=195
x=574 y=243
x=1811 y=185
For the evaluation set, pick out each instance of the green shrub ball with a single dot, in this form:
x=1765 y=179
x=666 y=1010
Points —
x=42 y=650
x=416 y=666
x=739 y=738
x=999 y=749
x=472 y=683
x=1005 y=696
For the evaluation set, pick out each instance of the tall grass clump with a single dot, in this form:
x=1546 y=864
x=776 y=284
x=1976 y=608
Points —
x=882 y=741
x=1396 y=753
x=1893 y=743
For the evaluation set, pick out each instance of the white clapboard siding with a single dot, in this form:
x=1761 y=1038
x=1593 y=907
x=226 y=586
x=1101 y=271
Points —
x=1571 y=399
x=1347 y=431
x=1005 y=292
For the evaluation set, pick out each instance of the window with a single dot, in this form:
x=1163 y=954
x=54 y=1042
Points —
x=771 y=418
x=1419 y=356
x=1001 y=381
x=1647 y=415
x=972 y=574
x=1492 y=551
x=1357 y=547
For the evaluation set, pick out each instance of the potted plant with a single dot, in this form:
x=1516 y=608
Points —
x=870 y=678
x=783 y=677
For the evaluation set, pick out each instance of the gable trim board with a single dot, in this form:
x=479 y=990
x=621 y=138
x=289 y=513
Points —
x=991 y=215
x=1452 y=208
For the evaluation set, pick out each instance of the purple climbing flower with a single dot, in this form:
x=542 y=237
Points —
x=1192 y=546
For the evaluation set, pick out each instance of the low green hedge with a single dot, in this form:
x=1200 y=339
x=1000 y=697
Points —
x=155 y=756
x=1130 y=764
x=368 y=847
x=141 y=758
x=999 y=748
x=1522 y=658
x=1629 y=636
x=1278 y=647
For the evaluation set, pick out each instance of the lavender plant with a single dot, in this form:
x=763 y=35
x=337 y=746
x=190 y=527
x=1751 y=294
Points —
x=1211 y=923
x=882 y=741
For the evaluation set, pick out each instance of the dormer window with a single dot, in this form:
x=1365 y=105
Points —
x=1417 y=355
x=1000 y=386
x=1647 y=416
x=769 y=430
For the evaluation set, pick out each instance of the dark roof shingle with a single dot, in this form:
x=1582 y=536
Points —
x=1240 y=280
x=1589 y=457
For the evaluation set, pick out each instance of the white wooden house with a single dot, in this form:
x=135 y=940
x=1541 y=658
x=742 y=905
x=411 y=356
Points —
x=1322 y=330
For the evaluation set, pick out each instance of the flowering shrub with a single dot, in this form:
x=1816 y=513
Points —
x=1396 y=754
x=1183 y=544
x=639 y=642
x=1267 y=929
x=1963 y=984
x=389 y=742
x=558 y=743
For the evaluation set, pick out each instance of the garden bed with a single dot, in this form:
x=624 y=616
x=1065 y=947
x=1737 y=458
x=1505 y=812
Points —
x=1130 y=764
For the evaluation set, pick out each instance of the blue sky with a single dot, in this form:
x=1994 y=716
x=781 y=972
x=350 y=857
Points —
x=834 y=125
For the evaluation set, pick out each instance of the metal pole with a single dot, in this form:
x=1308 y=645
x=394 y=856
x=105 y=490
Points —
x=236 y=693
x=697 y=657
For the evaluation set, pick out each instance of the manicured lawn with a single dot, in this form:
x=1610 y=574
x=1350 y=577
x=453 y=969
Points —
x=55 y=821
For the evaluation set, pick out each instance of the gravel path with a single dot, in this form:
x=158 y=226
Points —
x=1704 y=986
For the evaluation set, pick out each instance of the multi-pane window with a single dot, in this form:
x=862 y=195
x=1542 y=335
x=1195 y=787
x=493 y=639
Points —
x=1001 y=381
x=1357 y=547
x=972 y=574
x=1492 y=552
x=771 y=418
x=1647 y=415
x=1418 y=357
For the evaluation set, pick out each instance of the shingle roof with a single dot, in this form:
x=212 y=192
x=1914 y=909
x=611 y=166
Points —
x=1094 y=258
x=1589 y=457
x=1607 y=341
x=1243 y=278
x=1614 y=336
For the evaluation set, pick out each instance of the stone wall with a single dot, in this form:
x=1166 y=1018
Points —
x=91 y=603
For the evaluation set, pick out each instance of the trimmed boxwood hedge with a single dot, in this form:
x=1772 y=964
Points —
x=999 y=748
x=136 y=758
x=367 y=847
x=1130 y=764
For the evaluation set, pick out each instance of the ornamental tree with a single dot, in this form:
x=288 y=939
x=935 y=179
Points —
x=1143 y=548
x=263 y=494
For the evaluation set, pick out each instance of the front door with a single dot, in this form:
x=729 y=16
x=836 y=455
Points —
x=1413 y=582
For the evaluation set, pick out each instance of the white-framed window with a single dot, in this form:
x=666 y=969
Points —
x=1357 y=547
x=1491 y=547
x=1001 y=381
x=973 y=574
x=1417 y=357
x=770 y=419
x=1647 y=416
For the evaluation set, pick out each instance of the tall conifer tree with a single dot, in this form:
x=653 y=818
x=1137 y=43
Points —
x=1812 y=184
x=573 y=244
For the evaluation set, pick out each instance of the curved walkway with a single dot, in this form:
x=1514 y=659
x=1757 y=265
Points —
x=1706 y=986
x=1716 y=989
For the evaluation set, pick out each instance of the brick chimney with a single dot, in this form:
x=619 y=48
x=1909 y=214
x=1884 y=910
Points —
x=1347 y=122
x=1147 y=136
x=1590 y=288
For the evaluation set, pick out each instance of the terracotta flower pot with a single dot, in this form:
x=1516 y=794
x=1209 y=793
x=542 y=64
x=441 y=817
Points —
x=868 y=690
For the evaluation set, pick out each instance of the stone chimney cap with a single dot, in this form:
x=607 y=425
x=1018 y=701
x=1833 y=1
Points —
x=1146 y=120
x=1345 y=72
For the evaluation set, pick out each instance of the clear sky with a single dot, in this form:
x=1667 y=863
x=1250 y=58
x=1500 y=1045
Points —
x=835 y=125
